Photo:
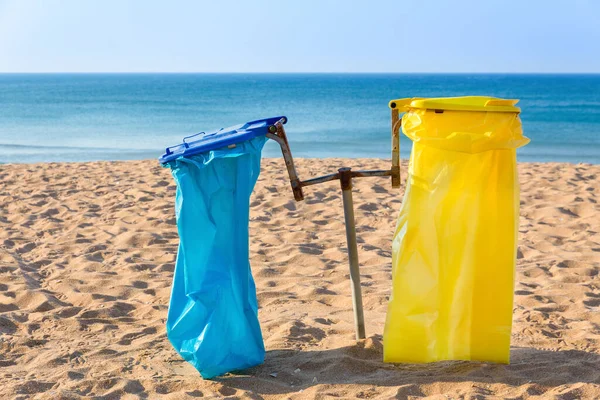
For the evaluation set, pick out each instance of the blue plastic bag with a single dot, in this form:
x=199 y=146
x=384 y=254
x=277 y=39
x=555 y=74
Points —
x=213 y=314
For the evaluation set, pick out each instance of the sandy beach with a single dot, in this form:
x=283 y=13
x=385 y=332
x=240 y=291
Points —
x=87 y=254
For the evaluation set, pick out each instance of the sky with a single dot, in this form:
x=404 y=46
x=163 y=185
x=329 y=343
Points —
x=300 y=36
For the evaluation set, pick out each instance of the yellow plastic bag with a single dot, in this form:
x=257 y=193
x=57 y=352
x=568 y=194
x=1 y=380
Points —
x=454 y=249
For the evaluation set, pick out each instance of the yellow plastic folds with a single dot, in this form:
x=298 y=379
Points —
x=454 y=248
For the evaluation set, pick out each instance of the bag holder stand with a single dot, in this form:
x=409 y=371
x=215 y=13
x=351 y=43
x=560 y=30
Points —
x=345 y=175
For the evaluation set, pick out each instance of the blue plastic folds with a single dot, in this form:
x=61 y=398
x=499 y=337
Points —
x=213 y=314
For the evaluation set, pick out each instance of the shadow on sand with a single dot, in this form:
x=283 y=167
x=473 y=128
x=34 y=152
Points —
x=362 y=364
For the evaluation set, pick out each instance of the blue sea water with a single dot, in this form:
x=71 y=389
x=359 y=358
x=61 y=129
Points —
x=85 y=117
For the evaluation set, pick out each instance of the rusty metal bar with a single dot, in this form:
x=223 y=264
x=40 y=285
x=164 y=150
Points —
x=345 y=175
x=320 y=179
x=396 y=121
x=366 y=174
x=355 y=174
x=278 y=134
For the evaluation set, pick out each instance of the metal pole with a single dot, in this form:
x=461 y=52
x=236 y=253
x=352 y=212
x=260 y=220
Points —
x=395 y=149
x=359 y=319
x=345 y=175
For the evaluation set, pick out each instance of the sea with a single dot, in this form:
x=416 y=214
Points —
x=88 y=117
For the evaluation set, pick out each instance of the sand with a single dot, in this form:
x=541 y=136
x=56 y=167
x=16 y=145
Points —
x=87 y=254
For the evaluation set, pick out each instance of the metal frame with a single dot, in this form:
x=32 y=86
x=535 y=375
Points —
x=345 y=175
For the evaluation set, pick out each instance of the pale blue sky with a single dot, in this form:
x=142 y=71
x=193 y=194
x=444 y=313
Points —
x=299 y=36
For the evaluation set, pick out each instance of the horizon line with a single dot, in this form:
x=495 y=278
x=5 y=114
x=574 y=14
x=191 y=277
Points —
x=294 y=72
